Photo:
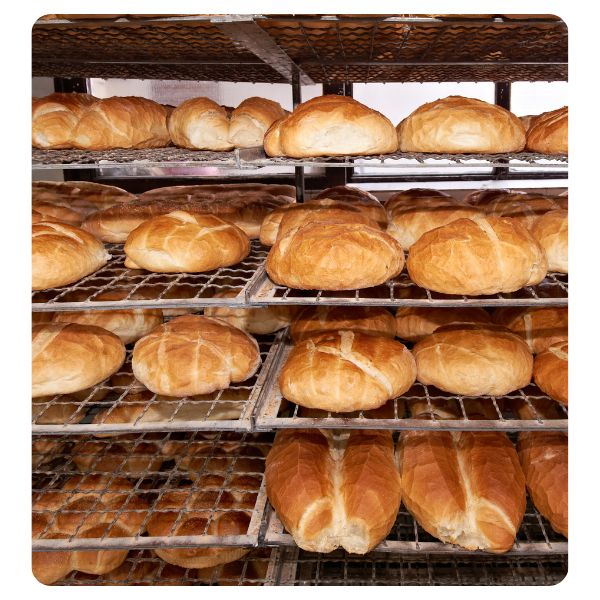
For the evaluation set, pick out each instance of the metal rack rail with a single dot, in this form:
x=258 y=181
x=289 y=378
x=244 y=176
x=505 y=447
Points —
x=122 y=405
x=87 y=496
x=153 y=290
x=275 y=412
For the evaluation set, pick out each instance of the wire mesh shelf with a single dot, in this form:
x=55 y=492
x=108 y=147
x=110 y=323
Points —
x=122 y=404
x=183 y=491
x=275 y=412
x=301 y=568
x=401 y=291
x=143 y=567
x=535 y=537
x=144 y=289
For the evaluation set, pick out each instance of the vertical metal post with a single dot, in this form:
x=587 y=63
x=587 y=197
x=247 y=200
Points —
x=297 y=99
x=501 y=98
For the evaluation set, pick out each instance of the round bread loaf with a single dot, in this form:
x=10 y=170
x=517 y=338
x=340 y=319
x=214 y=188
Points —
x=363 y=200
x=474 y=360
x=414 y=323
x=371 y=320
x=185 y=242
x=457 y=124
x=69 y=357
x=551 y=372
x=346 y=371
x=412 y=197
x=477 y=256
x=334 y=256
x=483 y=197
x=251 y=119
x=62 y=254
x=259 y=321
x=408 y=223
x=552 y=233
x=549 y=132
x=130 y=324
x=521 y=206
x=194 y=355
x=539 y=327
x=330 y=126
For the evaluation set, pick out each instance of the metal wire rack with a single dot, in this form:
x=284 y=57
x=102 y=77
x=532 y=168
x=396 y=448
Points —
x=107 y=493
x=535 y=537
x=143 y=567
x=153 y=290
x=275 y=412
x=401 y=291
x=301 y=568
x=122 y=405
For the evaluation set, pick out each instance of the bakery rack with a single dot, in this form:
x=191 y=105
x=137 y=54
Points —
x=336 y=51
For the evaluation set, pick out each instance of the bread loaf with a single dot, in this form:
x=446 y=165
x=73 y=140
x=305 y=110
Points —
x=364 y=201
x=55 y=117
x=130 y=324
x=54 y=212
x=551 y=372
x=408 y=223
x=525 y=208
x=251 y=119
x=549 y=132
x=474 y=360
x=71 y=357
x=539 y=327
x=62 y=254
x=369 y=320
x=412 y=197
x=194 y=355
x=118 y=512
x=484 y=197
x=551 y=231
x=260 y=321
x=334 y=256
x=334 y=492
x=456 y=125
x=330 y=126
x=345 y=371
x=464 y=488
x=415 y=323
x=185 y=242
x=477 y=256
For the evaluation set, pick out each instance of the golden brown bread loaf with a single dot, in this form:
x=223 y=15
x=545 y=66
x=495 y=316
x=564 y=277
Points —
x=361 y=199
x=551 y=231
x=549 y=132
x=539 y=327
x=484 y=197
x=55 y=117
x=84 y=197
x=474 y=360
x=371 y=320
x=202 y=124
x=334 y=256
x=57 y=514
x=544 y=458
x=465 y=488
x=477 y=256
x=329 y=126
x=346 y=370
x=130 y=324
x=185 y=242
x=62 y=254
x=523 y=207
x=55 y=212
x=71 y=357
x=194 y=355
x=334 y=492
x=457 y=124
x=414 y=323
x=412 y=197
x=551 y=372
x=259 y=321
x=409 y=222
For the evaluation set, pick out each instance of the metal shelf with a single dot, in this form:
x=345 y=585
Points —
x=153 y=290
x=534 y=538
x=122 y=405
x=275 y=412
x=401 y=291
x=221 y=468
x=296 y=567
